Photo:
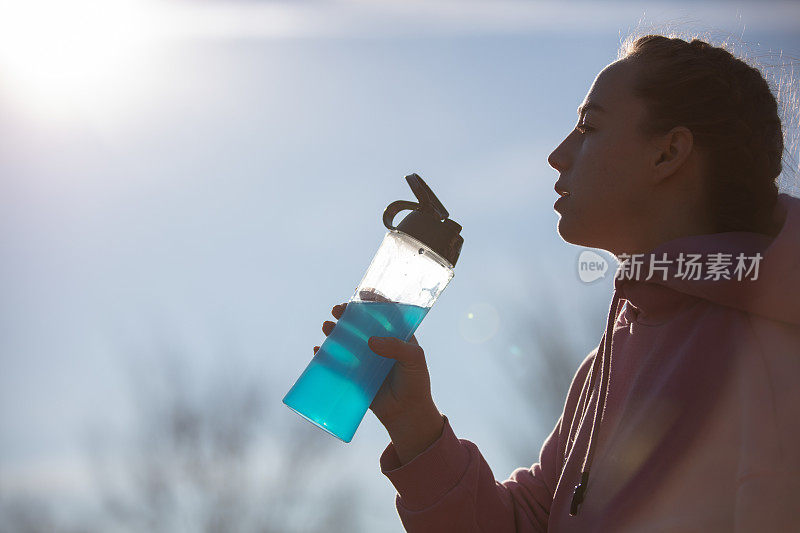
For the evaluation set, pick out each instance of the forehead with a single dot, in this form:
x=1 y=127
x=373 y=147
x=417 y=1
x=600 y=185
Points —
x=612 y=90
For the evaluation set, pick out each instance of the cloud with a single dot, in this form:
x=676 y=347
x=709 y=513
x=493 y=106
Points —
x=408 y=18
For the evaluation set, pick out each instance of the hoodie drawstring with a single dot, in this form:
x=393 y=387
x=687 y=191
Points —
x=601 y=365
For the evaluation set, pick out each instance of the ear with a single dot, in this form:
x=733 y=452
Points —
x=671 y=150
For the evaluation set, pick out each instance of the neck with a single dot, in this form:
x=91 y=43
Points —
x=665 y=224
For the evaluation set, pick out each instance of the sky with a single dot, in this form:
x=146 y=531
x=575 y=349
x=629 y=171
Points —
x=213 y=174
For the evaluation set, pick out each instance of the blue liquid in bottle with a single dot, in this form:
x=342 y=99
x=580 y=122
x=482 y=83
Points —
x=338 y=385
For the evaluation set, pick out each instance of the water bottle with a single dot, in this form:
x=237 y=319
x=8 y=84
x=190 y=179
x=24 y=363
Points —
x=411 y=268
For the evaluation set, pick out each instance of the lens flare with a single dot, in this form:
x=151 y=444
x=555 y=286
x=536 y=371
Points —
x=479 y=323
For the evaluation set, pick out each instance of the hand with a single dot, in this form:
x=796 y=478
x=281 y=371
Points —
x=403 y=403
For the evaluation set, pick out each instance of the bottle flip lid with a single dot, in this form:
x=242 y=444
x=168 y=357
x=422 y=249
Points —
x=427 y=222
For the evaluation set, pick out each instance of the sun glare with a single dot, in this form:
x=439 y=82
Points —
x=59 y=57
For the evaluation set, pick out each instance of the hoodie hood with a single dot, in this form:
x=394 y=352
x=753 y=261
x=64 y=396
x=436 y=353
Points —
x=752 y=272
x=767 y=282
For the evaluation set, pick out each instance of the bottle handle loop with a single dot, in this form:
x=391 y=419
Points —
x=394 y=208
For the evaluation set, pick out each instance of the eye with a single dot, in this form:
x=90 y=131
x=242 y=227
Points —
x=582 y=127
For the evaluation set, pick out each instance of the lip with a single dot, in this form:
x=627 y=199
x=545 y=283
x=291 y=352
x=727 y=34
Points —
x=563 y=194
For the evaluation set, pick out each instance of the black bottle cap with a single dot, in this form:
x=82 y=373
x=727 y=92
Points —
x=427 y=222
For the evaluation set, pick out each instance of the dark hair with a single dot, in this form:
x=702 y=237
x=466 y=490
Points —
x=732 y=114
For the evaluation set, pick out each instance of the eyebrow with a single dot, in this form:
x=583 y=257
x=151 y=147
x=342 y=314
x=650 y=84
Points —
x=589 y=106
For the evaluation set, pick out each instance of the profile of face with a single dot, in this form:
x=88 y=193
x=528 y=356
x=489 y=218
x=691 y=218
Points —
x=611 y=176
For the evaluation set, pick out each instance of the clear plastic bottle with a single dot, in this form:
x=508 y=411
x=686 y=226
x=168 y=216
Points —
x=411 y=268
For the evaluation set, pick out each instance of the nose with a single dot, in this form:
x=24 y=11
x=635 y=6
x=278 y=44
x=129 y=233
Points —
x=558 y=158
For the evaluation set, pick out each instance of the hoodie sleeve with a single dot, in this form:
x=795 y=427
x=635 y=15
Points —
x=450 y=487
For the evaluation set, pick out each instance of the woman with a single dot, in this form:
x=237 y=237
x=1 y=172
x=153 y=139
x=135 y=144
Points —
x=686 y=417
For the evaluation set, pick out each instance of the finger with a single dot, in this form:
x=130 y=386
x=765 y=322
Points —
x=413 y=340
x=338 y=310
x=372 y=295
x=327 y=327
x=405 y=353
x=316 y=348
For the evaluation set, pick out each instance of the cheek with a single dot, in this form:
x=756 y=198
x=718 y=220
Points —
x=613 y=168
x=609 y=193
x=598 y=169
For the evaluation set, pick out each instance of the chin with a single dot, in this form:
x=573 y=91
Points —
x=575 y=235
x=567 y=232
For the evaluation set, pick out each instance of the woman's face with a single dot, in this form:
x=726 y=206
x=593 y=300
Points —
x=604 y=164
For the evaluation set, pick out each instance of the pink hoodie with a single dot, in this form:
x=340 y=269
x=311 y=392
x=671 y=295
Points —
x=698 y=428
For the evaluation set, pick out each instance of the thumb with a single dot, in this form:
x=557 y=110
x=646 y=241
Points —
x=405 y=353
